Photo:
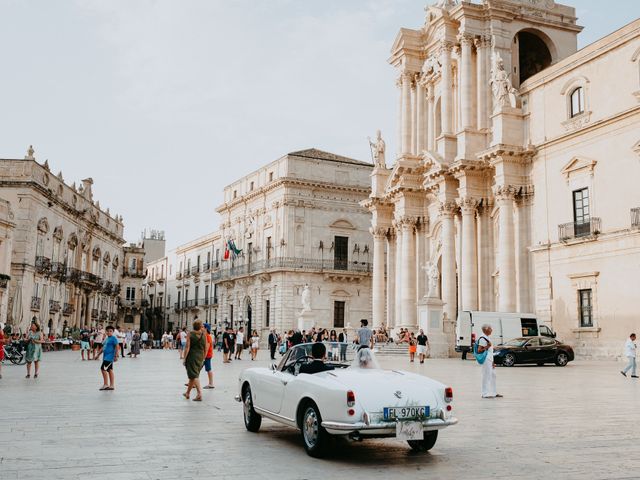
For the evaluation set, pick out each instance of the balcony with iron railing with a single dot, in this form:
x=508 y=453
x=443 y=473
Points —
x=176 y=307
x=204 y=302
x=43 y=265
x=191 y=303
x=187 y=272
x=35 y=303
x=54 y=306
x=576 y=230
x=68 y=309
x=134 y=272
x=195 y=270
x=58 y=270
x=178 y=275
x=635 y=217
x=130 y=303
x=206 y=266
x=293 y=263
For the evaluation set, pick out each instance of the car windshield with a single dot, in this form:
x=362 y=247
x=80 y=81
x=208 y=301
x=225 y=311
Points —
x=516 y=342
x=338 y=354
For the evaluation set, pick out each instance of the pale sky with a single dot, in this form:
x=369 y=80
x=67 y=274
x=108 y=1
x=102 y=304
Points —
x=164 y=102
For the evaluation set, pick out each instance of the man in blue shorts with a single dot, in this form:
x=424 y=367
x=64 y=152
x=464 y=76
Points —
x=109 y=354
x=85 y=338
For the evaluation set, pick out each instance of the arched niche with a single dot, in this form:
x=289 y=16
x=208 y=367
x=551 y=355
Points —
x=533 y=51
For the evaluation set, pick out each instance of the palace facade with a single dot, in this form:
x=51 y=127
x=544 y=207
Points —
x=513 y=187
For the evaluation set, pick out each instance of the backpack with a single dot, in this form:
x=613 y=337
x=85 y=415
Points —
x=480 y=357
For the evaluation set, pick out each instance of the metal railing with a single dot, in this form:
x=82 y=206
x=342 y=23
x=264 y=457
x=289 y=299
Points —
x=43 y=265
x=54 y=306
x=588 y=228
x=68 y=309
x=58 y=270
x=206 y=266
x=35 y=303
x=292 y=263
x=635 y=217
x=195 y=270
x=187 y=272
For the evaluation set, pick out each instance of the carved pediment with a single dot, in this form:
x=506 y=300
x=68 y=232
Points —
x=343 y=224
x=578 y=165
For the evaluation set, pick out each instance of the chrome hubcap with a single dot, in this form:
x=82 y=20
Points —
x=562 y=359
x=509 y=360
x=247 y=407
x=310 y=428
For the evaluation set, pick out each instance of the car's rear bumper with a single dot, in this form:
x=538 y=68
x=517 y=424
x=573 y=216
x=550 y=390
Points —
x=382 y=428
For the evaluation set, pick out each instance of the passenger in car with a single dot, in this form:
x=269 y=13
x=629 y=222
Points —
x=318 y=352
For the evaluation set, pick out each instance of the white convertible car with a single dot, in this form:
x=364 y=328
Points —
x=357 y=399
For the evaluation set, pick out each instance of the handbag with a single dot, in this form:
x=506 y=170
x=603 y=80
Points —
x=480 y=357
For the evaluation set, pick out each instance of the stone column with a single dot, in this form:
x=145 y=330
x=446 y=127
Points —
x=397 y=320
x=406 y=112
x=421 y=118
x=482 y=82
x=431 y=122
x=446 y=98
x=447 y=212
x=391 y=277
x=523 y=257
x=414 y=115
x=466 y=82
x=506 y=251
x=469 y=264
x=486 y=264
x=378 y=291
x=409 y=312
x=399 y=119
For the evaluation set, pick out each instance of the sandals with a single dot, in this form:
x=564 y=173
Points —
x=197 y=399
x=209 y=387
x=27 y=376
x=103 y=388
x=186 y=395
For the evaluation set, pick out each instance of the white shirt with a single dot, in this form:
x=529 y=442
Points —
x=630 y=348
x=119 y=336
x=183 y=337
x=239 y=338
x=144 y=337
x=484 y=343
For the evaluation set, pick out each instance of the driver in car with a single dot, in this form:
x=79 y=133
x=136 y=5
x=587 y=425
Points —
x=318 y=352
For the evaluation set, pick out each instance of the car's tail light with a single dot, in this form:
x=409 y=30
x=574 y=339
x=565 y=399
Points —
x=351 y=398
x=351 y=412
x=448 y=394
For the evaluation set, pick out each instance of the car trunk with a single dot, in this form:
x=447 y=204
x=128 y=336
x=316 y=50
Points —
x=376 y=389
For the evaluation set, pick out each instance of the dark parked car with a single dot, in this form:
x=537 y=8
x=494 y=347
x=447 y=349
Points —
x=538 y=350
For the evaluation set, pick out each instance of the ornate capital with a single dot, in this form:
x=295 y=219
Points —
x=482 y=41
x=468 y=205
x=379 y=233
x=504 y=192
x=448 y=209
x=524 y=196
x=407 y=222
x=445 y=47
x=465 y=39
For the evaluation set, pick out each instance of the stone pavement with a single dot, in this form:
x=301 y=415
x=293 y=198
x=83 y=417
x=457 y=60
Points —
x=581 y=421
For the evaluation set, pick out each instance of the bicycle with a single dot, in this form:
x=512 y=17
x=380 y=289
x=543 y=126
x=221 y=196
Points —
x=14 y=353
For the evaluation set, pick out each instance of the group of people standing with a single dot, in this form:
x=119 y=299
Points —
x=92 y=340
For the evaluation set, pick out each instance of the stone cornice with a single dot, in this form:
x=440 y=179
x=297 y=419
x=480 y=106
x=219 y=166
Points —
x=513 y=154
x=288 y=182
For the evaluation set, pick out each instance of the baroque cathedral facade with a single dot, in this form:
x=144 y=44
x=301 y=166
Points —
x=513 y=186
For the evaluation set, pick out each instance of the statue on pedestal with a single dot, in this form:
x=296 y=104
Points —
x=504 y=95
x=306 y=299
x=433 y=277
x=377 y=149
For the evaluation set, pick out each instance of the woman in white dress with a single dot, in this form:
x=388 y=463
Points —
x=255 y=344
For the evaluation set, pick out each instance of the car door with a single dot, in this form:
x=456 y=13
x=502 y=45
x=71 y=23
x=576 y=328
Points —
x=548 y=349
x=531 y=351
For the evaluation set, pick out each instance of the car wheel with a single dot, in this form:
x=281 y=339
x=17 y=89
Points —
x=252 y=420
x=562 y=359
x=314 y=437
x=425 y=444
x=509 y=360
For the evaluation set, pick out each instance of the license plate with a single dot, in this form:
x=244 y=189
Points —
x=399 y=413
x=409 y=431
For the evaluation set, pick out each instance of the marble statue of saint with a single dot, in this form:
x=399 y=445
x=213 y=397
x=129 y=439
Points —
x=433 y=276
x=306 y=298
x=30 y=153
x=378 y=147
x=504 y=95
x=446 y=3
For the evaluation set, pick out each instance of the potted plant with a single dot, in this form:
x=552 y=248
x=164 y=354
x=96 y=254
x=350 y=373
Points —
x=75 y=336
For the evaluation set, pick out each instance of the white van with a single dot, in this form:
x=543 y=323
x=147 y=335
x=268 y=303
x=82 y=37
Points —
x=506 y=326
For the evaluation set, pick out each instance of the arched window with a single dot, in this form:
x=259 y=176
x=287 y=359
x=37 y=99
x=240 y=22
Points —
x=577 y=102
